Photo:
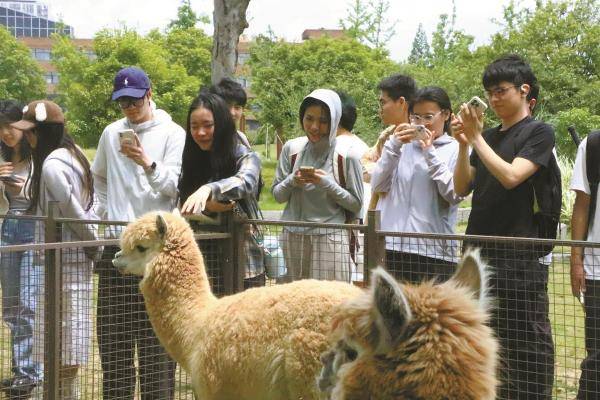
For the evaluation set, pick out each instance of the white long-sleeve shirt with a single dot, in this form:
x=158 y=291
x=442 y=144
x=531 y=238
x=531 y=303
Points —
x=420 y=195
x=125 y=191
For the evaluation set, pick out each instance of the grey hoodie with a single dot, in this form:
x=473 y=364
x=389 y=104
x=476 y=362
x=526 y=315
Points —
x=326 y=202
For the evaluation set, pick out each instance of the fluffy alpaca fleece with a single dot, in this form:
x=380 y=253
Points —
x=414 y=342
x=263 y=343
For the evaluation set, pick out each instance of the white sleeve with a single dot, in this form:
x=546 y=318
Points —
x=579 y=179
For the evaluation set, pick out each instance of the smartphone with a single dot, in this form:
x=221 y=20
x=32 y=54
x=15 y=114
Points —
x=420 y=132
x=304 y=170
x=127 y=136
x=478 y=104
x=10 y=178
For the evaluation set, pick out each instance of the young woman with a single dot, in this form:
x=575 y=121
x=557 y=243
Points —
x=218 y=172
x=306 y=180
x=19 y=277
x=61 y=173
x=416 y=170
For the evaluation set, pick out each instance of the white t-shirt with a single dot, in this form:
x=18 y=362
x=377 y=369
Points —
x=579 y=181
x=347 y=143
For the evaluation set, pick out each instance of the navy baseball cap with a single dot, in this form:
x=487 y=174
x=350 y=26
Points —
x=131 y=82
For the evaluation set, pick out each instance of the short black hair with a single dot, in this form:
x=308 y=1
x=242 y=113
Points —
x=436 y=95
x=510 y=68
x=348 y=118
x=230 y=91
x=398 y=85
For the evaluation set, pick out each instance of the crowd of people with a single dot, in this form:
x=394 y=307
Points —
x=422 y=166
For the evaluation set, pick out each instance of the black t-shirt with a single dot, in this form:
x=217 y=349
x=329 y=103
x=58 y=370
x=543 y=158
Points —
x=498 y=211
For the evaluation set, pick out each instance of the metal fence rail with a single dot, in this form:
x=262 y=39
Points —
x=295 y=251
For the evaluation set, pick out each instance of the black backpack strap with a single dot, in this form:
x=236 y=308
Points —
x=592 y=161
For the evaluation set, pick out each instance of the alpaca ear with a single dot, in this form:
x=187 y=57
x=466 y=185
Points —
x=472 y=274
x=161 y=226
x=391 y=306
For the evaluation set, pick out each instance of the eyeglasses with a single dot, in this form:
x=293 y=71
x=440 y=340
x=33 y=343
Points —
x=128 y=102
x=427 y=118
x=498 y=92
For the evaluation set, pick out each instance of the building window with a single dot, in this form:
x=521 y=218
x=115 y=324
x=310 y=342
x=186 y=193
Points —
x=41 y=54
x=51 y=77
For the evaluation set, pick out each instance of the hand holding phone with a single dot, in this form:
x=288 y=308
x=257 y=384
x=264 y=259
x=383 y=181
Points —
x=420 y=132
x=127 y=136
x=11 y=179
x=478 y=104
x=307 y=171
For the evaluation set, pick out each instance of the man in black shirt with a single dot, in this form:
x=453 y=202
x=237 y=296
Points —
x=498 y=172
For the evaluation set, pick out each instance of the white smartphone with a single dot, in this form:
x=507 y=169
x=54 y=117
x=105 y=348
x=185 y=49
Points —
x=127 y=136
x=420 y=132
x=478 y=104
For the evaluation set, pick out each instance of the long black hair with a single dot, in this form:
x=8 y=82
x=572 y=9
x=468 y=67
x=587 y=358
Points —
x=199 y=167
x=52 y=136
x=438 y=96
x=12 y=111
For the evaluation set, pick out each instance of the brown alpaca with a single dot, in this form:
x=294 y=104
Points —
x=405 y=342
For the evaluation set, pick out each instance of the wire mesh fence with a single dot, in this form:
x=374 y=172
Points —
x=89 y=336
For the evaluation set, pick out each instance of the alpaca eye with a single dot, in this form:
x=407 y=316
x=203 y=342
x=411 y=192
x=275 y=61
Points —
x=141 y=249
x=351 y=353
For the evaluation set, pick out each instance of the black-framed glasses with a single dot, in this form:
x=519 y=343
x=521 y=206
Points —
x=498 y=91
x=128 y=102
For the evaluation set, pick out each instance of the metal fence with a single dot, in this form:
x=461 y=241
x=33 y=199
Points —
x=79 y=315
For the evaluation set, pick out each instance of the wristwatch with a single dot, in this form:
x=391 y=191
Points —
x=152 y=167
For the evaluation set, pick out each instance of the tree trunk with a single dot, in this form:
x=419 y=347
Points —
x=229 y=20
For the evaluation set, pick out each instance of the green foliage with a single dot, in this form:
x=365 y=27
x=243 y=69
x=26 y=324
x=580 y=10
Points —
x=583 y=121
x=186 y=17
x=21 y=78
x=86 y=85
x=420 y=52
x=283 y=73
x=367 y=22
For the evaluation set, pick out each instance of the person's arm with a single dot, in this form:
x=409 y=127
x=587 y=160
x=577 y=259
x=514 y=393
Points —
x=383 y=172
x=579 y=225
x=99 y=170
x=350 y=198
x=55 y=175
x=165 y=177
x=240 y=185
x=442 y=175
x=283 y=182
x=464 y=173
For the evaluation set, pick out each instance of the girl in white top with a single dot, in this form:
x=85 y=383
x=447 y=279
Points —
x=62 y=173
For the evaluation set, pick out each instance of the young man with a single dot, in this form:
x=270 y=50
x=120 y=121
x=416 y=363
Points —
x=395 y=93
x=235 y=96
x=585 y=273
x=497 y=171
x=132 y=178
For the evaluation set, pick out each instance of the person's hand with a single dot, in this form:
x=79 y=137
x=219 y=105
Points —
x=196 y=203
x=577 y=276
x=217 y=206
x=6 y=168
x=14 y=187
x=472 y=122
x=316 y=177
x=458 y=131
x=136 y=153
x=405 y=133
x=427 y=141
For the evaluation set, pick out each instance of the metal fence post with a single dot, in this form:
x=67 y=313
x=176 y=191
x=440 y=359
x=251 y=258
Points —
x=52 y=309
x=228 y=263
x=374 y=244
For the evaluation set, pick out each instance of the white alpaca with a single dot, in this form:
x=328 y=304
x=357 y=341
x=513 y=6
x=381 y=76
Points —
x=265 y=343
x=260 y=344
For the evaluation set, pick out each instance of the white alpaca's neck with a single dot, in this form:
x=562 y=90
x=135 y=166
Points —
x=176 y=291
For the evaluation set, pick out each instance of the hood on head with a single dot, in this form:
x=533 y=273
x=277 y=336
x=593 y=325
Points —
x=334 y=103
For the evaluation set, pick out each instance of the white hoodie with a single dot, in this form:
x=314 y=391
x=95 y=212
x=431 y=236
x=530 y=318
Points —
x=125 y=191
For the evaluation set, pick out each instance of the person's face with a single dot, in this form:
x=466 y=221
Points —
x=202 y=127
x=236 y=112
x=315 y=123
x=10 y=136
x=136 y=110
x=31 y=138
x=430 y=114
x=506 y=98
x=391 y=112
